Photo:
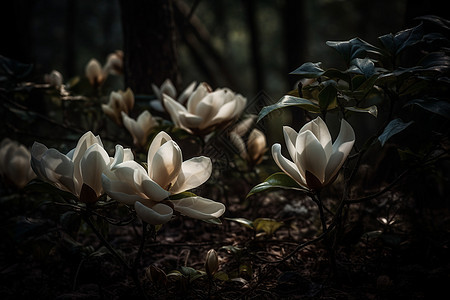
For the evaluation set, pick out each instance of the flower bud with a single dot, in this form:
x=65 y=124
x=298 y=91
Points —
x=212 y=262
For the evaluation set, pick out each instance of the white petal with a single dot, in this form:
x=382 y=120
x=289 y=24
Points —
x=135 y=130
x=174 y=109
x=226 y=112
x=199 y=208
x=59 y=170
x=341 y=149
x=37 y=151
x=188 y=120
x=87 y=140
x=256 y=144
x=200 y=92
x=311 y=156
x=160 y=139
x=150 y=188
x=290 y=139
x=168 y=88
x=157 y=105
x=321 y=132
x=286 y=165
x=120 y=191
x=166 y=164
x=187 y=92
x=92 y=164
x=194 y=172
x=155 y=215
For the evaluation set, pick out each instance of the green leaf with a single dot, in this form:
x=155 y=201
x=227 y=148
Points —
x=309 y=70
x=354 y=48
x=274 y=181
x=327 y=97
x=221 y=276
x=289 y=101
x=394 y=44
x=182 y=195
x=363 y=66
x=215 y=221
x=394 y=127
x=243 y=221
x=435 y=106
x=373 y=110
x=269 y=226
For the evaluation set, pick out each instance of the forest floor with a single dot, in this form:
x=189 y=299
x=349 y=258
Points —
x=389 y=248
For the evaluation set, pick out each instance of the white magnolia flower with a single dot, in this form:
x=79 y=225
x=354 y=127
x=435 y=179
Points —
x=316 y=161
x=114 y=63
x=206 y=110
x=94 y=72
x=254 y=149
x=139 y=128
x=15 y=165
x=169 y=89
x=55 y=79
x=81 y=166
x=166 y=174
x=98 y=74
x=119 y=102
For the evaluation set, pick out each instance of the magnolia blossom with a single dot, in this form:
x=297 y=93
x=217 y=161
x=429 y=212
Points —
x=80 y=167
x=166 y=174
x=114 y=63
x=316 y=161
x=211 y=262
x=254 y=149
x=54 y=79
x=119 y=102
x=139 y=128
x=97 y=74
x=205 y=110
x=169 y=89
x=15 y=165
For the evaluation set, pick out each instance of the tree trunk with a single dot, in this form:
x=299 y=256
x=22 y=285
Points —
x=149 y=44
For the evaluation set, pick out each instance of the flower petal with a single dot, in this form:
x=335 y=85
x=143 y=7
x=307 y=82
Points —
x=311 y=156
x=341 y=149
x=199 y=208
x=200 y=92
x=290 y=138
x=160 y=139
x=194 y=172
x=174 y=109
x=155 y=215
x=59 y=169
x=321 y=132
x=166 y=164
x=92 y=164
x=187 y=92
x=286 y=165
x=120 y=191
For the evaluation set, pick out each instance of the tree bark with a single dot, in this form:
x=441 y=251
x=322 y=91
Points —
x=149 y=44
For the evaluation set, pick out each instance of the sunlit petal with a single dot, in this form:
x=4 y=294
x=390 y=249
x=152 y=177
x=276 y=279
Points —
x=194 y=172
x=312 y=156
x=92 y=164
x=199 y=208
x=166 y=164
x=286 y=165
x=160 y=139
x=155 y=215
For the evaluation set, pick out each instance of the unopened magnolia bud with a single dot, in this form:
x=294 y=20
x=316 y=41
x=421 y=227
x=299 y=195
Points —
x=211 y=263
x=54 y=78
x=156 y=275
x=94 y=72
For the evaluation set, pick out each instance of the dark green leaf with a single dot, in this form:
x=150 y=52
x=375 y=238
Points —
x=363 y=66
x=309 y=70
x=182 y=195
x=275 y=181
x=394 y=127
x=288 y=101
x=354 y=48
x=394 y=44
x=243 y=221
x=327 y=97
x=435 y=106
